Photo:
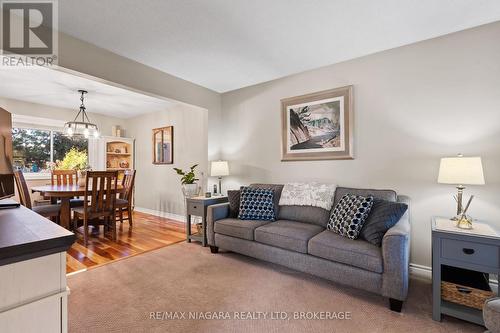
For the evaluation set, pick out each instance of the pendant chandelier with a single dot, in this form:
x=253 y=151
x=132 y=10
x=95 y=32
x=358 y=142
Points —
x=81 y=125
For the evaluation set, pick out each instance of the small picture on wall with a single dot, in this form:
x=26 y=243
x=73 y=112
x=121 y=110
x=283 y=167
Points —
x=318 y=126
x=163 y=145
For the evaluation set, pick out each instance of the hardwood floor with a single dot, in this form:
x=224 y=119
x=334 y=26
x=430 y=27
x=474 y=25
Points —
x=148 y=233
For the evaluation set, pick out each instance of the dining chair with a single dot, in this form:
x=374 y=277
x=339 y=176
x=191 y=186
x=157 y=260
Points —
x=66 y=177
x=50 y=211
x=98 y=203
x=124 y=201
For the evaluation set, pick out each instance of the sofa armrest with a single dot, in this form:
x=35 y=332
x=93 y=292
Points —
x=396 y=256
x=214 y=213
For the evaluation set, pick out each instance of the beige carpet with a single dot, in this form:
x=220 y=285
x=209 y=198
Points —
x=120 y=297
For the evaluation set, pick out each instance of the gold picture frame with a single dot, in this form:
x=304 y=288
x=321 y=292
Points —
x=163 y=145
x=318 y=126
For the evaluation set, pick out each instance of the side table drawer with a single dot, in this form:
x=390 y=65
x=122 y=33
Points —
x=474 y=253
x=194 y=208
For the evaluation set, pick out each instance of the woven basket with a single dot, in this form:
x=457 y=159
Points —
x=464 y=295
x=199 y=228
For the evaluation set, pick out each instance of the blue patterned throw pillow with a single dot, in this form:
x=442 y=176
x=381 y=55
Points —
x=349 y=215
x=256 y=204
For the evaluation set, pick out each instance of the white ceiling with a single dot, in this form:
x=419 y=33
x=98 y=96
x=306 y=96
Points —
x=55 y=88
x=229 y=44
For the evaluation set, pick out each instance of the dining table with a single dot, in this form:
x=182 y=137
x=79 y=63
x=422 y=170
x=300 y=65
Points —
x=65 y=193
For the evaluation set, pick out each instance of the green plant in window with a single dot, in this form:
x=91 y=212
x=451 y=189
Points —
x=74 y=160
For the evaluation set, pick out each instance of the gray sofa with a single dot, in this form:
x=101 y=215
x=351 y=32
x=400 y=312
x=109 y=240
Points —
x=491 y=315
x=298 y=239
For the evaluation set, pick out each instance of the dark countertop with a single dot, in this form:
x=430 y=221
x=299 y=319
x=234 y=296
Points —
x=26 y=235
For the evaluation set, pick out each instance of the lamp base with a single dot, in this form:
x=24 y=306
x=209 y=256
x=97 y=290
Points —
x=220 y=185
x=464 y=222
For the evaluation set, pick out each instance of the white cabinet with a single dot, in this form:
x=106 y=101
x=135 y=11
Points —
x=34 y=295
x=111 y=153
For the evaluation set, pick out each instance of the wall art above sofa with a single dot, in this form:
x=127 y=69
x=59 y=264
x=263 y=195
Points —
x=318 y=126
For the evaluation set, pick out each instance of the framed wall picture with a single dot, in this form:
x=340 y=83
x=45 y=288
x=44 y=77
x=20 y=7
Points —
x=318 y=126
x=163 y=145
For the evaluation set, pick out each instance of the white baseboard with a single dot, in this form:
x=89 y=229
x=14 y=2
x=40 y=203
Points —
x=177 y=217
x=425 y=272
x=420 y=271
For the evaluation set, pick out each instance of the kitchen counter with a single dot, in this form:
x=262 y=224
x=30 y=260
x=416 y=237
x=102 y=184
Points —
x=34 y=294
x=26 y=235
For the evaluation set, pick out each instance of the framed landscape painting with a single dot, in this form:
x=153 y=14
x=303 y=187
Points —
x=318 y=126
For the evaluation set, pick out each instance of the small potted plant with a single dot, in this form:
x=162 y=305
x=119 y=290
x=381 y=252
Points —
x=188 y=181
x=82 y=173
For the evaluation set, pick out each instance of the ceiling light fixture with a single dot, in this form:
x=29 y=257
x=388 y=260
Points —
x=81 y=125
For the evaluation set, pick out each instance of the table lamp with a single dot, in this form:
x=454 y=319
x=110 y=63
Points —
x=219 y=169
x=461 y=171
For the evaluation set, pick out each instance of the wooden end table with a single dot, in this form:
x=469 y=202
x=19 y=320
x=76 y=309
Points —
x=197 y=206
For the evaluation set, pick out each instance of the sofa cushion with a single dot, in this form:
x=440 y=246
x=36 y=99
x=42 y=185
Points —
x=306 y=214
x=277 y=188
x=388 y=195
x=288 y=235
x=233 y=196
x=349 y=215
x=256 y=204
x=383 y=216
x=358 y=253
x=238 y=228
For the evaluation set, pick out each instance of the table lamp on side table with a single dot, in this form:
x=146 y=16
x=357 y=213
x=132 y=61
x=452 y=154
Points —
x=461 y=171
x=219 y=169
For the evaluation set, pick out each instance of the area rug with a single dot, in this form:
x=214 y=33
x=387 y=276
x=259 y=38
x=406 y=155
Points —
x=185 y=288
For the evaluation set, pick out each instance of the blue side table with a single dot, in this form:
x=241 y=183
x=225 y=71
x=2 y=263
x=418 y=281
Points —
x=477 y=249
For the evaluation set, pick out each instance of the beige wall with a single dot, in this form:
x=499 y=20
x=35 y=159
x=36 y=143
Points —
x=77 y=55
x=412 y=105
x=44 y=111
x=82 y=57
x=158 y=186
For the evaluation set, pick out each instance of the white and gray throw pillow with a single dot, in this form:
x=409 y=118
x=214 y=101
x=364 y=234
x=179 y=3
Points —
x=308 y=194
x=349 y=215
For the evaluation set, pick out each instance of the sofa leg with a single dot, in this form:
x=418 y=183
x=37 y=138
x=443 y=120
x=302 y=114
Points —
x=214 y=249
x=395 y=304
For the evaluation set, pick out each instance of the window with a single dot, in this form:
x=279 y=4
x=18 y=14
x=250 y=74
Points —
x=31 y=149
x=34 y=149
x=62 y=144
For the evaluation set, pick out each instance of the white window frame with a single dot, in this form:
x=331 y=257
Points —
x=28 y=122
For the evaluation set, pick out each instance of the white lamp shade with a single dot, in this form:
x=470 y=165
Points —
x=461 y=171
x=219 y=168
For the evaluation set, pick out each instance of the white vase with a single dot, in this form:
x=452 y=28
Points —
x=190 y=190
